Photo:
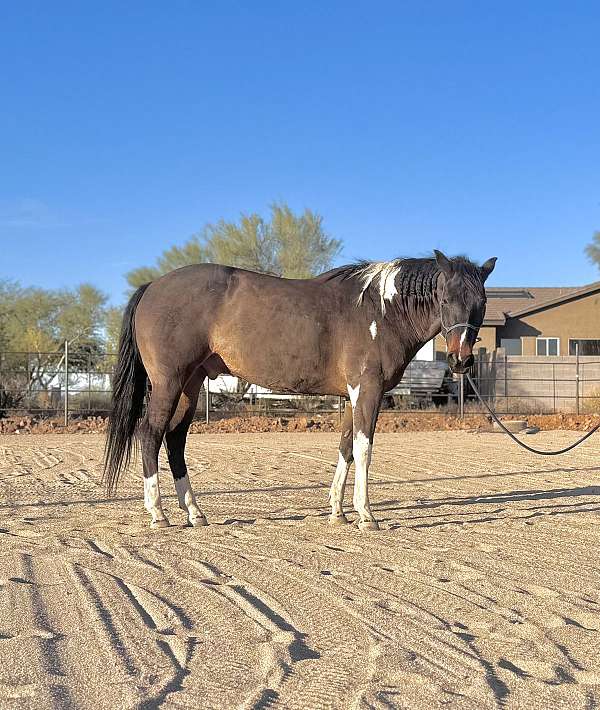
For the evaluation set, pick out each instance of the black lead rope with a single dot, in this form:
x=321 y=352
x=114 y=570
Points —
x=514 y=438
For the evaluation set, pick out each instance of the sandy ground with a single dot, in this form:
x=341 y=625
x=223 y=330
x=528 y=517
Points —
x=482 y=589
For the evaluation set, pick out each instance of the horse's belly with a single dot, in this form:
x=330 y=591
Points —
x=299 y=362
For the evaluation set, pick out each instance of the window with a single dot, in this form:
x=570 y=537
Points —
x=512 y=346
x=587 y=346
x=547 y=346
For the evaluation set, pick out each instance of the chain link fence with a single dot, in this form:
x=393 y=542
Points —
x=515 y=384
x=63 y=384
x=55 y=383
x=59 y=384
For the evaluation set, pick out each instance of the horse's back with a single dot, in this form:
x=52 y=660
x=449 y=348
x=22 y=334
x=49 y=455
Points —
x=266 y=329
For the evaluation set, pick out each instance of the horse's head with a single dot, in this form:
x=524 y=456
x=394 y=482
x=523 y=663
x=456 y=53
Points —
x=462 y=306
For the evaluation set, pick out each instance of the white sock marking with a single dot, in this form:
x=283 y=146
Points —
x=353 y=393
x=336 y=493
x=152 y=499
x=362 y=455
x=185 y=495
x=373 y=329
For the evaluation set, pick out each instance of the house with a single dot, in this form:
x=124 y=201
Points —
x=540 y=321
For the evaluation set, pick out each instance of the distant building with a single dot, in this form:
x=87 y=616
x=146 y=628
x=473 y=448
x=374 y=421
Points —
x=540 y=321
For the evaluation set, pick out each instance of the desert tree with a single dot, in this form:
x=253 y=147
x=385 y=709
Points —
x=287 y=244
x=34 y=324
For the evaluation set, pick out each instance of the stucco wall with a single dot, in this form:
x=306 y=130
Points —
x=539 y=384
x=488 y=338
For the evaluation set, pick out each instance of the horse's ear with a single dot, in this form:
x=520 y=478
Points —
x=488 y=267
x=443 y=262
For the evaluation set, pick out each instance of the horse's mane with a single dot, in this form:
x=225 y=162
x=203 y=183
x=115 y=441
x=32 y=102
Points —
x=412 y=279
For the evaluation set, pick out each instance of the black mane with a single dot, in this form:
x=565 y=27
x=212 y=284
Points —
x=418 y=280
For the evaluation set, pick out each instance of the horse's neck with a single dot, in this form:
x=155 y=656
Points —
x=418 y=322
x=405 y=334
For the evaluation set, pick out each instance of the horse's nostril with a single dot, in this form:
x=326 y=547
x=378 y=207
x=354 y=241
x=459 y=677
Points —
x=468 y=361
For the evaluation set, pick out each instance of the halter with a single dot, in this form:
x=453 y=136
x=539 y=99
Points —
x=456 y=325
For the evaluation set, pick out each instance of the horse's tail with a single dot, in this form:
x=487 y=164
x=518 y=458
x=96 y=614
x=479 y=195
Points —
x=128 y=392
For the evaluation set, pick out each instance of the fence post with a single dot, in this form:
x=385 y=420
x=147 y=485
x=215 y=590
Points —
x=89 y=369
x=506 y=381
x=207 y=387
x=461 y=396
x=66 y=382
x=482 y=379
x=577 y=377
x=28 y=391
x=553 y=389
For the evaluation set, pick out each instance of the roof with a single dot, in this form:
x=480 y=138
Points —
x=503 y=302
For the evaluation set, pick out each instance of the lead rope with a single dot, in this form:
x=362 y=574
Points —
x=514 y=438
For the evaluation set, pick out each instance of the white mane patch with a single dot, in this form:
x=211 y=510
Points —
x=386 y=272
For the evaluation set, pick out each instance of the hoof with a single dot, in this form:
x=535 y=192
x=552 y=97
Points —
x=198 y=522
x=368 y=525
x=164 y=523
x=338 y=519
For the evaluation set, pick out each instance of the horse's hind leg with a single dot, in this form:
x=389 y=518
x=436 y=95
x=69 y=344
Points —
x=175 y=442
x=336 y=494
x=152 y=429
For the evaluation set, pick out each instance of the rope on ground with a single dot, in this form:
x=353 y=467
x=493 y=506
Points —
x=519 y=442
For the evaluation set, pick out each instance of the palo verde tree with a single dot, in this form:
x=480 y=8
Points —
x=288 y=244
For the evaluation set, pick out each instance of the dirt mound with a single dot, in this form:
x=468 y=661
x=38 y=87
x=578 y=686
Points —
x=389 y=422
x=43 y=425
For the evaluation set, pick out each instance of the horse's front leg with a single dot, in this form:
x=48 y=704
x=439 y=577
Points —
x=366 y=400
x=338 y=485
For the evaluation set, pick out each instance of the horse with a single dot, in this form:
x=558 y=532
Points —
x=350 y=331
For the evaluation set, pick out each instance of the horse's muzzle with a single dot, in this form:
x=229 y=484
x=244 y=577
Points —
x=458 y=366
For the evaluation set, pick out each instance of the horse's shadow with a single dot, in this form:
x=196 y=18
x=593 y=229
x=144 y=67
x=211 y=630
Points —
x=398 y=514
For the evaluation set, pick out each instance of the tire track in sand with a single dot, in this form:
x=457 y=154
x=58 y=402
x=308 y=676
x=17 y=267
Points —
x=152 y=640
x=334 y=649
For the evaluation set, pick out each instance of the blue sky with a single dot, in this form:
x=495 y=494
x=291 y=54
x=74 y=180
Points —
x=469 y=127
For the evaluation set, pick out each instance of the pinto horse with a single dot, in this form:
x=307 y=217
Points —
x=351 y=331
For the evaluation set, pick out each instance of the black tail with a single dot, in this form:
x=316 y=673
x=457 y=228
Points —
x=128 y=393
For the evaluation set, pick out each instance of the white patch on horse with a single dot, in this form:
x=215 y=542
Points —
x=353 y=393
x=362 y=456
x=373 y=329
x=336 y=493
x=463 y=337
x=186 y=499
x=387 y=284
x=152 y=501
x=386 y=271
x=361 y=448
